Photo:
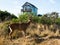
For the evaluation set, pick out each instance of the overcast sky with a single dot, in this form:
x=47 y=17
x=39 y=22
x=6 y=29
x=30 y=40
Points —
x=44 y=6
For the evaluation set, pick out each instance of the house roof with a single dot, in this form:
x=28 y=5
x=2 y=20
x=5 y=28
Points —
x=29 y=4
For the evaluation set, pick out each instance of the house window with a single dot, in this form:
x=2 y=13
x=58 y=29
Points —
x=27 y=8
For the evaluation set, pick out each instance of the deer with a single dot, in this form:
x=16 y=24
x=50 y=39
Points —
x=18 y=26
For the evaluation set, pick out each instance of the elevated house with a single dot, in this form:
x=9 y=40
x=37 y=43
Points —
x=28 y=7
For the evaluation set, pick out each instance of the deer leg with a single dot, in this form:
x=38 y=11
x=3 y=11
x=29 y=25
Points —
x=10 y=37
x=10 y=30
x=23 y=33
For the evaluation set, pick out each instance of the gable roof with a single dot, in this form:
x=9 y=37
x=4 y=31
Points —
x=29 y=4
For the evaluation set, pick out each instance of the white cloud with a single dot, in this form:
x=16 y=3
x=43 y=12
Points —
x=52 y=1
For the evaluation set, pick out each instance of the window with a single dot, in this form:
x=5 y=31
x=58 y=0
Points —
x=27 y=8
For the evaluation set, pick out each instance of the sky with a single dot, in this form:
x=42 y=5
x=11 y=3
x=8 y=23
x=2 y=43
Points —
x=44 y=6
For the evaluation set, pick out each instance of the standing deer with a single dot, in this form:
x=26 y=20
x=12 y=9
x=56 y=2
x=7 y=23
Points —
x=17 y=26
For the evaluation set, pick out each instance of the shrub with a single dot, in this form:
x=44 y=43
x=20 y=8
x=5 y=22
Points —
x=57 y=21
x=24 y=18
x=5 y=16
x=15 y=20
x=46 y=20
x=36 y=19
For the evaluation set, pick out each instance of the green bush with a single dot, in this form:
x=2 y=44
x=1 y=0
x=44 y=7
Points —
x=57 y=21
x=15 y=20
x=46 y=20
x=36 y=19
x=24 y=18
x=5 y=16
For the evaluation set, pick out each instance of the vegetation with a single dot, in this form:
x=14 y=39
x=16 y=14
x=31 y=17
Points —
x=4 y=16
x=35 y=19
x=45 y=19
x=15 y=20
x=36 y=33
x=24 y=18
x=57 y=21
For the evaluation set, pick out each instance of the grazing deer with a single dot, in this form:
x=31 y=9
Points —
x=17 y=26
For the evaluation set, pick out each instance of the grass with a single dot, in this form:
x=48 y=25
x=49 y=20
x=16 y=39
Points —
x=32 y=31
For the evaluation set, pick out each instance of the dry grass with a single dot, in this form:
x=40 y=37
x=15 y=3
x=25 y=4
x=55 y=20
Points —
x=51 y=42
x=32 y=30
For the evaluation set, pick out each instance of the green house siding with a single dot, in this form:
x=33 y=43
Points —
x=34 y=10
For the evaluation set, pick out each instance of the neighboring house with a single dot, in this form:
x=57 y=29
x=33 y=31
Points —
x=28 y=7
